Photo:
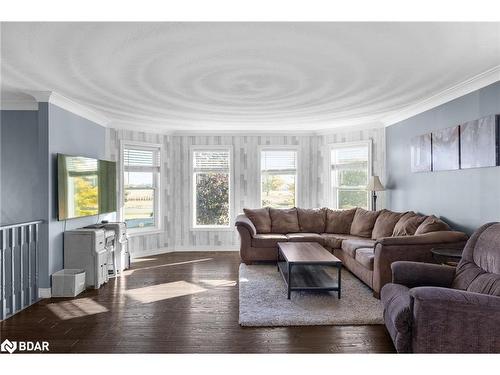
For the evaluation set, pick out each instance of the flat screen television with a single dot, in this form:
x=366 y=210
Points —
x=85 y=186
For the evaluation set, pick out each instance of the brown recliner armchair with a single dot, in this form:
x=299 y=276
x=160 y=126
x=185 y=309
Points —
x=429 y=308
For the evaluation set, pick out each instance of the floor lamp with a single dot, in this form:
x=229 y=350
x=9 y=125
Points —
x=374 y=185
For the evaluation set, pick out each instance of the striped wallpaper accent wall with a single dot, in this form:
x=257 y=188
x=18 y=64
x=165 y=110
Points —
x=157 y=242
x=178 y=235
x=377 y=135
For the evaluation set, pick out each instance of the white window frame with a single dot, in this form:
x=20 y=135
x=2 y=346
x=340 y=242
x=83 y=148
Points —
x=332 y=197
x=297 y=161
x=156 y=183
x=192 y=187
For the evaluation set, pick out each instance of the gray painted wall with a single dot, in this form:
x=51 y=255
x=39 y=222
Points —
x=30 y=141
x=464 y=198
x=23 y=177
x=73 y=135
x=21 y=169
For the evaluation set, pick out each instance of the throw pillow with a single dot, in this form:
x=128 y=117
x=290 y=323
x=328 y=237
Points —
x=408 y=224
x=363 y=222
x=339 y=221
x=284 y=220
x=312 y=220
x=260 y=219
x=432 y=224
x=384 y=226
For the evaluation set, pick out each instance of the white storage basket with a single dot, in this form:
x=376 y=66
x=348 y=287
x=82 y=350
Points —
x=68 y=283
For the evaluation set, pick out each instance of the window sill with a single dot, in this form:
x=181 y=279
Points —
x=145 y=232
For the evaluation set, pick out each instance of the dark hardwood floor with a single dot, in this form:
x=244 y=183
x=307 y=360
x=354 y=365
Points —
x=176 y=303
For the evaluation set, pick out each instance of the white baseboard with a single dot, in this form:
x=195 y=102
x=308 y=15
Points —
x=44 y=292
x=181 y=249
x=150 y=253
x=205 y=248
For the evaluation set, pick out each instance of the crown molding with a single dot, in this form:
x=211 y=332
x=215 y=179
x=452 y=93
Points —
x=357 y=127
x=143 y=128
x=242 y=132
x=69 y=105
x=19 y=105
x=337 y=126
x=466 y=87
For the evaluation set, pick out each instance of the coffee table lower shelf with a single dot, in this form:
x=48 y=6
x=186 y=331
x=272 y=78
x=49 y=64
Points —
x=310 y=277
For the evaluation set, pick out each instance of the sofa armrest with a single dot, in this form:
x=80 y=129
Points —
x=413 y=274
x=434 y=238
x=243 y=220
x=411 y=248
x=454 y=321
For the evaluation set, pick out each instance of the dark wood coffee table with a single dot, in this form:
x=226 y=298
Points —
x=302 y=266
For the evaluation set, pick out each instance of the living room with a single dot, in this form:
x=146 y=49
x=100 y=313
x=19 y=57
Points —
x=250 y=186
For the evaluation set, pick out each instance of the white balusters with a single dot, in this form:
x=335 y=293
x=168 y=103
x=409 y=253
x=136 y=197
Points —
x=29 y=240
x=22 y=241
x=13 y=269
x=37 y=227
x=3 y=249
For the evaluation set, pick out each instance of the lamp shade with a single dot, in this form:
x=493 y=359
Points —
x=374 y=184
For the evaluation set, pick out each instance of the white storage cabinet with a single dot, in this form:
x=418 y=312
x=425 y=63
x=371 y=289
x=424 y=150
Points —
x=85 y=248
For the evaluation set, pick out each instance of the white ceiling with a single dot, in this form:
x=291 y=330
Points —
x=245 y=76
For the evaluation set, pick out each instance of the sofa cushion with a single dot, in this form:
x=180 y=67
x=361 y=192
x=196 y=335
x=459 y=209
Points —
x=350 y=246
x=432 y=224
x=472 y=278
x=305 y=237
x=365 y=257
x=260 y=218
x=486 y=283
x=339 y=221
x=334 y=240
x=284 y=220
x=386 y=221
x=408 y=224
x=312 y=220
x=363 y=222
x=268 y=240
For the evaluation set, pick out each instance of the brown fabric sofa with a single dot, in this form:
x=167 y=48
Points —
x=367 y=242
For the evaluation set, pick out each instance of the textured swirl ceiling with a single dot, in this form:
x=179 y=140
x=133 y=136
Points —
x=244 y=76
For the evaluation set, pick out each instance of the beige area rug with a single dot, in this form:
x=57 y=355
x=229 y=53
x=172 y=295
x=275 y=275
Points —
x=264 y=303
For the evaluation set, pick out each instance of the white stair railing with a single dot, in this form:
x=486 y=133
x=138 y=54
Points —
x=19 y=247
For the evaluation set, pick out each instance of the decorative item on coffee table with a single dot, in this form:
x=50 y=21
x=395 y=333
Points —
x=302 y=266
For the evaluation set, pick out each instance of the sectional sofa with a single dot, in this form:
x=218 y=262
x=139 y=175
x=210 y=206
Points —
x=367 y=242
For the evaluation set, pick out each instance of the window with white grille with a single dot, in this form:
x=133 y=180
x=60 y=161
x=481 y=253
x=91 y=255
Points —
x=141 y=183
x=211 y=173
x=278 y=170
x=349 y=171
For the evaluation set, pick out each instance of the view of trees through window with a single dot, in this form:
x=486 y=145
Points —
x=211 y=179
x=278 y=191
x=278 y=178
x=349 y=168
x=212 y=199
